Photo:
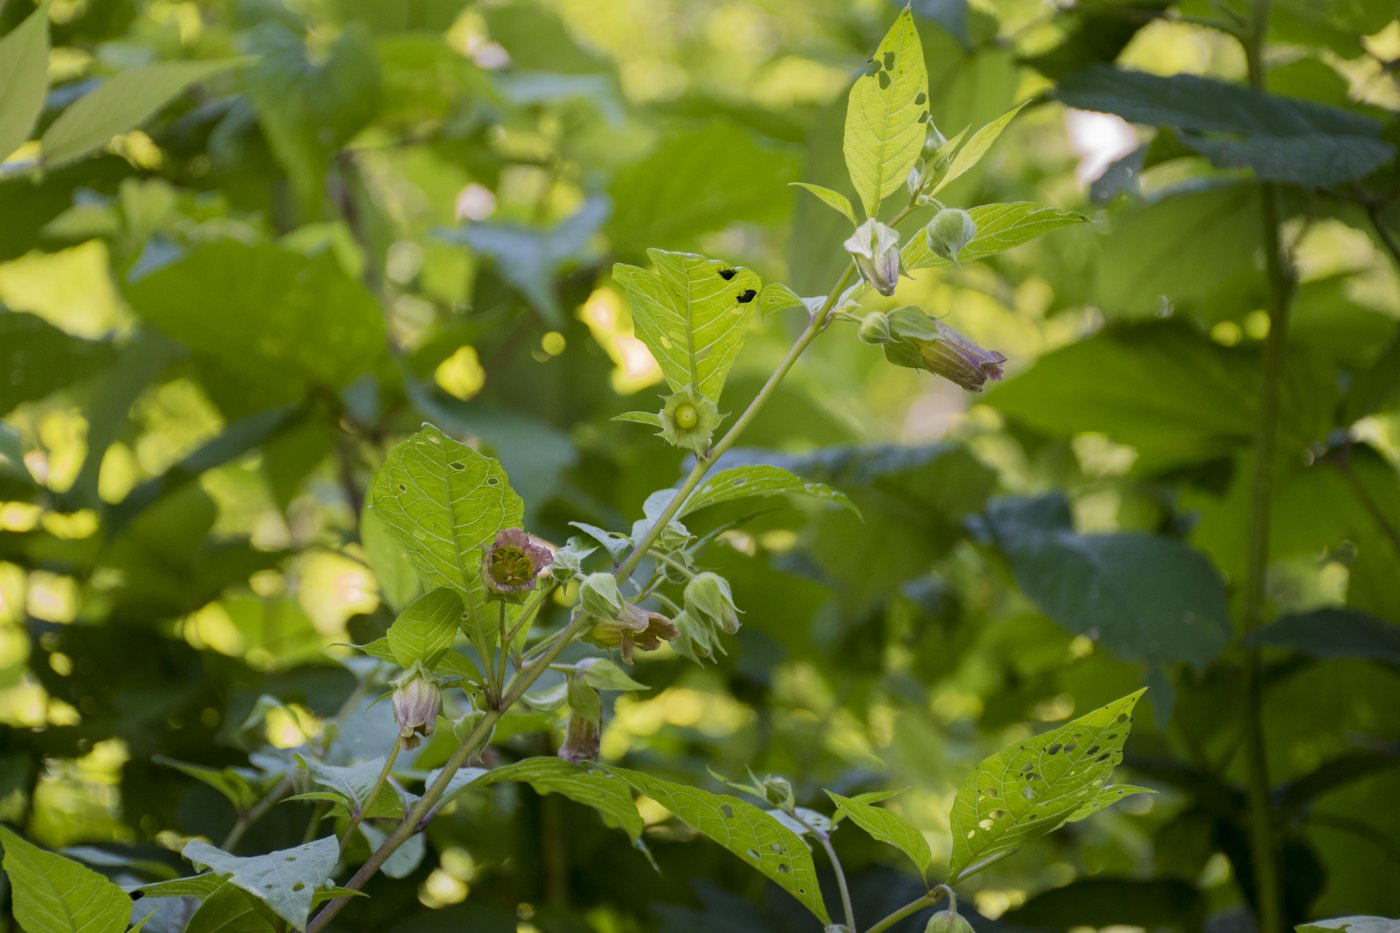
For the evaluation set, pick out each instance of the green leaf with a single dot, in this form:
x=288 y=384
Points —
x=228 y=781
x=832 y=199
x=1333 y=633
x=445 y=503
x=230 y=910
x=1314 y=160
x=352 y=783
x=887 y=116
x=424 y=631
x=398 y=582
x=200 y=886
x=39 y=359
x=694 y=182
x=591 y=786
x=1144 y=597
x=1352 y=925
x=277 y=321
x=775 y=296
x=405 y=859
x=649 y=418
x=284 y=880
x=24 y=78
x=121 y=103
x=692 y=313
x=529 y=258
x=971 y=152
x=758 y=480
x=755 y=837
x=886 y=826
x=1034 y=787
x=1000 y=227
x=57 y=895
x=602 y=674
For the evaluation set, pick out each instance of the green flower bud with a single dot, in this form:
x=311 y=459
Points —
x=920 y=342
x=688 y=420
x=708 y=597
x=934 y=141
x=949 y=231
x=875 y=328
x=598 y=596
x=875 y=249
x=778 y=791
x=464 y=727
x=417 y=702
x=948 y=921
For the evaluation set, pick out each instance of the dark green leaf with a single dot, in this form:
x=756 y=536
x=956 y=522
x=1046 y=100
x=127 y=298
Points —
x=284 y=880
x=887 y=826
x=1333 y=633
x=38 y=358
x=424 y=631
x=24 y=78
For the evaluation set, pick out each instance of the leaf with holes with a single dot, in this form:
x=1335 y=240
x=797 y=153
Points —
x=352 y=785
x=445 y=503
x=971 y=152
x=999 y=228
x=1034 y=787
x=424 y=632
x=57 y=895
x=284 y=880
x=886 y=826
x=887 y=115
x=748 y=832
x=692 y=313
x=758 y=480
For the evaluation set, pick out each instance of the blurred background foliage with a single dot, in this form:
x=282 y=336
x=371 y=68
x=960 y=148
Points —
x=406 y=211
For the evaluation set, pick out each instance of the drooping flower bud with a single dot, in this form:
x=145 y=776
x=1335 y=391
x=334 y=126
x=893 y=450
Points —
x=511 y=565
x=417 y=702
x=875 y=248
x=875 y=328
x=630 y=628
x=950 y=230
x=708 y=597
x=948 y=921
x=778 y=791
x=582 y=739
x=920 y=342
x=688 y=420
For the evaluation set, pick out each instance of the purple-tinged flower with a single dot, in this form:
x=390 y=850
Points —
x=512 y=563
x=918 y=341
x=633 y=627
x=417 y=703
x=581 y=740
x=875 y=248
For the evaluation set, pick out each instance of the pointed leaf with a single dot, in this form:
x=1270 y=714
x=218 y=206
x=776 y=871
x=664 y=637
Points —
x=24 y=78
x=231 y=910
x=352 y=783
x=445 y=503
x=692 y=313
x=284 y=880
x=999 y=228
x=227 y=781
x=1352 y=925
x=57 y=895
x=743 y=829
x=976 y=147
x=887 y=826
x=649 y=418
x=1034 y=787
x=758 y=480
x=832 y=199
x=424 y=631
x=592 y=787
x=120 y=104
x=887 y=116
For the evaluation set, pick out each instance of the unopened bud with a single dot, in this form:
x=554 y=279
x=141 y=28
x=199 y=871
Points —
x=875 y=328
x=778 y=791
x=598 y=595
x=948 y=921
x=708 y=596
x=875 y=248
x=417 y=703
x=949 y=231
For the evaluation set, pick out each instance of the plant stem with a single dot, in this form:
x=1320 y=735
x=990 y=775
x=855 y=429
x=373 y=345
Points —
x=825 y=841
x=359 y=813
x=1268 y=885
x=256 y=812
x=909 y=909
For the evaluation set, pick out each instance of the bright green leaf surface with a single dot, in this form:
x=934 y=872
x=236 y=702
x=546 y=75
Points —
x=120 y=104
x=757 y=480
x=230 y=910
x=1034 y=787
x=445 y=502
x=887 y=116
x=885 y=825
x=1000 y=227
x=424 y=631
x=283 y=880
x=692 y=313
x=972 y=151
x=755 y=837
x=24 y=78
x=53 y=894
x=832 y=199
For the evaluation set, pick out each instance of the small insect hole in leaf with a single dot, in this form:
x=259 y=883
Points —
x=403 y=488
x=782 y=869
x=889 y=60
x=728 y=811
x=298 y=886
x=457 y=466
x=727 y=274
x=884 y=80
x=923 y=117
x=492 y=481
x=1054 y=749
x=746 y=296
x=920 y=97
x=872 y=68
x=753 y=854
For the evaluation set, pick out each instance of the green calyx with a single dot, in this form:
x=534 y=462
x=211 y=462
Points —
x=689 y=420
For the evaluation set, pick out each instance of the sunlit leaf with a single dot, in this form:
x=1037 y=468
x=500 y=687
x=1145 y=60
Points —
x=885 y=825
x=1000 y=227
x=445 y=502
x=832 y=199
x=1034 y=787
x=755 y=837
x=24 y=78
x=692 y=313
x=57 y=895
x=887 y=115
x=121 y=103
x=972 y=151
x=424 y=631
x=758 y=480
